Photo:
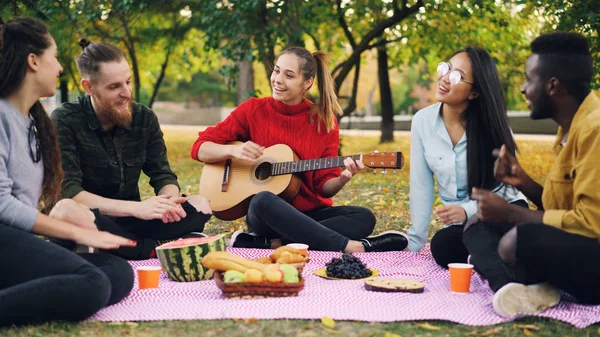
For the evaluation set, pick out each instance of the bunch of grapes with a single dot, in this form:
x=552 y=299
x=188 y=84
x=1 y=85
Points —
x=348 y=267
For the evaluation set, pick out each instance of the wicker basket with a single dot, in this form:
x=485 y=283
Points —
x=258 y=289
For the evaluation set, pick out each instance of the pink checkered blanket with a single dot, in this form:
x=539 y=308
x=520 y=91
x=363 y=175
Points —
x=340 y=300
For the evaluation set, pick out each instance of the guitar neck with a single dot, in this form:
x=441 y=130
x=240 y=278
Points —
x=290 y=167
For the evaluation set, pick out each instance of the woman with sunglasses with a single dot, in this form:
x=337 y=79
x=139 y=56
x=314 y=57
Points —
x=453 y=141
x=42 y=281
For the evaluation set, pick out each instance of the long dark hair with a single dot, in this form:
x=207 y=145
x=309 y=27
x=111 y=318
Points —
x=20 y=37
x=485 y=120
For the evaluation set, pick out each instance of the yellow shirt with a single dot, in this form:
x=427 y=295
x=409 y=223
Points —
x=571 y=197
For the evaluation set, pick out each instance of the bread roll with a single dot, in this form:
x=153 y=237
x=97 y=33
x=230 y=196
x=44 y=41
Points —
x=224 y=261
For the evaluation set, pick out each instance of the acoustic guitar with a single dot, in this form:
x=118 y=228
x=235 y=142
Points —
x=230 y=185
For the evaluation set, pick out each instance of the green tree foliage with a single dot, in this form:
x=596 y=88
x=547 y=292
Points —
x=260 y=28
x=442 y=28
x=207 y=89
x=148 y=31
x=578 y=15
x=367 y=24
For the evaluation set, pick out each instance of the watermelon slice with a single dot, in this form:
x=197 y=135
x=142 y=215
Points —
x=182 y=259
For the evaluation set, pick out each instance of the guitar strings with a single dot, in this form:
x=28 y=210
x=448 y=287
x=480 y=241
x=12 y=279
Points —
x=269 y=169
x=246 y=168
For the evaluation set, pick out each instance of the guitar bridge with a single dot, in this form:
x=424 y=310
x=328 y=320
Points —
x=226 y=175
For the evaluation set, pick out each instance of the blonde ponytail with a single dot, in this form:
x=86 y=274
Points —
x=328 y=105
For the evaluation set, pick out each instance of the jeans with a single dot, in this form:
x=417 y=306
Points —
x=43 y=281
x=146 y=232
x=328 y=228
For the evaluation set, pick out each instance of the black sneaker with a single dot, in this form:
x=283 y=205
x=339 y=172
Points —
x=241 y=239
x=186 y=236
x=385 y=242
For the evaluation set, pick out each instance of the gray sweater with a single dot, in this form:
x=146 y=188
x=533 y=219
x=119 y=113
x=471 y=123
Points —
x=20 y=178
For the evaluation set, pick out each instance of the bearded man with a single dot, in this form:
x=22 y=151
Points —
x=106 y=141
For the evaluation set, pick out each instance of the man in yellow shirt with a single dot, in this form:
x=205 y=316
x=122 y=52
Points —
x=527 y=255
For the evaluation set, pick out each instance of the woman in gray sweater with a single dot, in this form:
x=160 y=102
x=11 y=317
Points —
x=41 y=280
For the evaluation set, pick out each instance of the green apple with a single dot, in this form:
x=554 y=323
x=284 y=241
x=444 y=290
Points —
x=233 y=276
x=290 y=273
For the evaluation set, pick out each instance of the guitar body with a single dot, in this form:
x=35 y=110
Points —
x=245 y=180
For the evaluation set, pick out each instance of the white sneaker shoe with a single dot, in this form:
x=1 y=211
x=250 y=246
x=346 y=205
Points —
x=517 y=298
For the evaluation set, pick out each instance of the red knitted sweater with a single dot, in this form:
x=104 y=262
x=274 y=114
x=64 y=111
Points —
x=267 y=122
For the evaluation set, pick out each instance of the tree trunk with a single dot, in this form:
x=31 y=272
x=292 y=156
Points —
x=64 y=89
x=136 y=71
x=161 y=77
x=245 y=81
x=385 y=92
x=264 y=41
x=341 y=71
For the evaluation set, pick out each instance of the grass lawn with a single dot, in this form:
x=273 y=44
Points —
x=386 y=195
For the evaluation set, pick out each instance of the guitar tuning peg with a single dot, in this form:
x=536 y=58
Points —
x=374 y=171
x=394 y=171
x=384 y=171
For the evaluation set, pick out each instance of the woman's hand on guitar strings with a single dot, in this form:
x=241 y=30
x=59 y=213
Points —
x=248 y=151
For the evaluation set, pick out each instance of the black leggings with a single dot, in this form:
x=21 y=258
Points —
x=328 y=228
x=544 y=254
x=146 y=232
x=447 y=244
x=43 y=281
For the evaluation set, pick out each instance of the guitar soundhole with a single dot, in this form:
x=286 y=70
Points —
x=263 y=171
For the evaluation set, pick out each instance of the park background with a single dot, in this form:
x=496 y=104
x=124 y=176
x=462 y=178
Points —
x=194 y=61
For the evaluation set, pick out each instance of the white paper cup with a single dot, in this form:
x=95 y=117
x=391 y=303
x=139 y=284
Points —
x=302 y=247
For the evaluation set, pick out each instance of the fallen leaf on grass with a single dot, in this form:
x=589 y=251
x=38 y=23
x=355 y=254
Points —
x=491 y=332
x=132 y=324
x=251 y=320
x=332 y=331
x=428 y=326
x=306 y=334
x=527 y=326
x=389 y=334
x=125 y=332
x=527 y=332
x=328 y=322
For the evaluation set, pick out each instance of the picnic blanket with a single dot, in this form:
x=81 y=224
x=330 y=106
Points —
x=338 y=299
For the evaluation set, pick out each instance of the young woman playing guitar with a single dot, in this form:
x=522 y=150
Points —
x=311 y=131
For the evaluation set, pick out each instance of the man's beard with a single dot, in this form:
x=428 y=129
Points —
x=110 y=113
x=542 y=108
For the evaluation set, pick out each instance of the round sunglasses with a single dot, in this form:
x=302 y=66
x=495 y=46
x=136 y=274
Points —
x=455 y=77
